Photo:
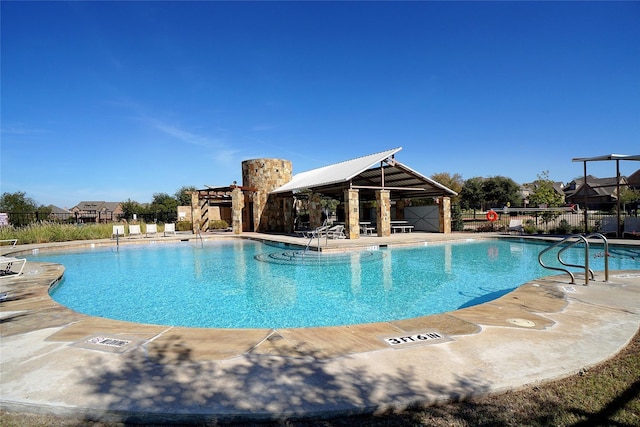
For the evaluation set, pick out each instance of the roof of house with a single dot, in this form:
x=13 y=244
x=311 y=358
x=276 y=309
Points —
x=367 y=174
x=600 y=186
x=57 y=210
x=97 y=206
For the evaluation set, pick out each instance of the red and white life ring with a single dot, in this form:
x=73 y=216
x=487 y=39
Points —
x=492 y=215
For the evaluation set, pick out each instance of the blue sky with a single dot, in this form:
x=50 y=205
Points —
x=118 y=100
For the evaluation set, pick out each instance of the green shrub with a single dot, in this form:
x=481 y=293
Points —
x=563 y=227
x=184 y=226
x=46 y=232
x=218 y=225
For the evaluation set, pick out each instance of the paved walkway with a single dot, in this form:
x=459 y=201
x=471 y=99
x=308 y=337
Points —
x=56 y=361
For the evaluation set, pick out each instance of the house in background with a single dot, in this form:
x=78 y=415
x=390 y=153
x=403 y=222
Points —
x=634 y=180
x=601 y=193
x=97 y=211
x=60 y=214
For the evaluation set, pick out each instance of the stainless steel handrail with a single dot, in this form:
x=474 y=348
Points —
x=579 y=239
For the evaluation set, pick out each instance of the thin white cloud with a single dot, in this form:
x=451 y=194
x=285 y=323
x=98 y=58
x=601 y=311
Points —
x=20 y=129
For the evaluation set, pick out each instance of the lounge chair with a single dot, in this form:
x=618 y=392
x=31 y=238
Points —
x=169 y=228
x=118 y=230
x=317 y=232
x=6 y=265
x=12 y=242
x=151 y=229
x=631 y=226
x=609 y=225
x=336 y=232
x=134 y=230
x=515 y=225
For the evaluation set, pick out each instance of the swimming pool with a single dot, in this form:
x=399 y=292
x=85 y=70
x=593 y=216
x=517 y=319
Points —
x=246 y=284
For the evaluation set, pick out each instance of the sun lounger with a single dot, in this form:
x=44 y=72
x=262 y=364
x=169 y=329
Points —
x=609 y=226
x=7 y=266
x=118 y=230
x=515 y=225
x=631 y=226
x=151 y=229
x=134 y=230
x=336 y=232
x=170 y=228
x=317 y=232
x=13 y=242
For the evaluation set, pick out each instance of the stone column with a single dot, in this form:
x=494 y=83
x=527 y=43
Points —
x=287 y=205
x=315 y=210
x=444 y=207
x=195 y=211
x=383 y=197
x=352 y=213
x=237 y=203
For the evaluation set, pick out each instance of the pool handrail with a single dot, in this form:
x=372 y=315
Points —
x=587 y=271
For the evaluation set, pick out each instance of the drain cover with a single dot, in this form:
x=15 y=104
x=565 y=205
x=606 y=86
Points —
x=522 y=322
x=110 y=342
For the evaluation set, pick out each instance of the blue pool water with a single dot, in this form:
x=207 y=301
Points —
x=246 y=284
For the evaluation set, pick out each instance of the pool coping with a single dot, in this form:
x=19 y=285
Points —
x=342 y=370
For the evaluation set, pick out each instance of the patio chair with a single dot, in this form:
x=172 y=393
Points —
x=317 y=232
x=609 y=225
x=336 y=232
x=118 y=230
x=170 y=228
x=151 y=229
x=515 y=225
x=631 y=226
x=6 y=265
x=134 y=230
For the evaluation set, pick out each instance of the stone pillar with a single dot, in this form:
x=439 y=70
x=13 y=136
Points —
x=287 y=207
x=237 y=203
x=315 y=210
x=195 y=211
x=265 y=175
x=352 y=213
x=444 y=207
x=383 y=197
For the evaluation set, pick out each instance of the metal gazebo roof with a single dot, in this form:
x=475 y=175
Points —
x=362 y=174
x=617 y=158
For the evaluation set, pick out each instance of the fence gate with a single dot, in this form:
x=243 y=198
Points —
x=423 y=218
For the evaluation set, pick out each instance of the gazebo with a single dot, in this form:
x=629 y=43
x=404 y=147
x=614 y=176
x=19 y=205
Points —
x=265 y=201
x=607 y=157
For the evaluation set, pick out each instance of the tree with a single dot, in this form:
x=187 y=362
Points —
x=544 y=194
x=501 y=191
x=130 y=207
x=163 y=204
x=22 y=209
x=471 y=194
x=628 y=195
x=454 y=182
x=182 y=197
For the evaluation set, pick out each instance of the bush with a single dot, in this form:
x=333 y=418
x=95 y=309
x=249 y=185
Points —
x=184 y=226
x=563 y=228
x=46 y=232
x=218 y=225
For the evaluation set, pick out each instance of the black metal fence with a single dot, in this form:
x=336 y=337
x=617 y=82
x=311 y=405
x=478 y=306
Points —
x=541 y=221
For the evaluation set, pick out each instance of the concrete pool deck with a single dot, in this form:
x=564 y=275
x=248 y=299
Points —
x=56 y=361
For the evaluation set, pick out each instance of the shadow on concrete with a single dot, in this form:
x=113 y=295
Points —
x=173 y=388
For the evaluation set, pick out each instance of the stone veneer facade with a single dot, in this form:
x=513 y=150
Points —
x=270 y=213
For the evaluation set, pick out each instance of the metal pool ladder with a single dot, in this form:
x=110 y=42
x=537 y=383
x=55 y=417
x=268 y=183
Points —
x=571 y=241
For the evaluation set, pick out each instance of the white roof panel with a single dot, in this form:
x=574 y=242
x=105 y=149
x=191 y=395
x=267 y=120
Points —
x=338 y=172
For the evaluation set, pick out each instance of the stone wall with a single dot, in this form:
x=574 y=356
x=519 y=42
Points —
x=265 y=175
